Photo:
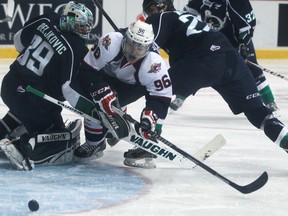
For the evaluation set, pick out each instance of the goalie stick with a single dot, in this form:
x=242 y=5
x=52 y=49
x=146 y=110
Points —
x=267 y=70
x=152 y=146
x=169 y=154
x=253 y=186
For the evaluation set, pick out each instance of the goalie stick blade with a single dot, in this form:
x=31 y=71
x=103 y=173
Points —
x=253 y=186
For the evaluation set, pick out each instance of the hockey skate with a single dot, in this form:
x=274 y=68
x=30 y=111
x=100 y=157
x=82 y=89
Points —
x=87 y=152
x=177 y=103
x=140 y=158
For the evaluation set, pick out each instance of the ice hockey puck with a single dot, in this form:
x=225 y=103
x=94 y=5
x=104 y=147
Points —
x=33 y=205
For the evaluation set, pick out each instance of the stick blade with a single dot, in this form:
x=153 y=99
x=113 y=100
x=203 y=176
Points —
x=253 y=186
x=210 y=148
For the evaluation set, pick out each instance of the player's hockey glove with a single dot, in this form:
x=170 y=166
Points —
x=244 y=51
x=148 y=127
x=104 y=98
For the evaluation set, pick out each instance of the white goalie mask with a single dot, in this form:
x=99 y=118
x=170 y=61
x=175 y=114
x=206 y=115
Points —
x=76 y=18
x=137 y=41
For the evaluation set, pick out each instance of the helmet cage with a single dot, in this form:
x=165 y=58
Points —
x=77 y=18
x=134 y=50
x=137 y=41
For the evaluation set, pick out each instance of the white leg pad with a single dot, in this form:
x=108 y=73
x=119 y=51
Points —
x=14 y=155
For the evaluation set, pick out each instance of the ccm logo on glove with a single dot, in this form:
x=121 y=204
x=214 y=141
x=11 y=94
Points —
x=104 y=98
x=100 y=91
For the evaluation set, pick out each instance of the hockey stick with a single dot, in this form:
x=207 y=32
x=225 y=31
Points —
x=154 y=147
x=205 y=152
x=210 y=148
x=255 y=185
x=106 y=15
x=266 y=70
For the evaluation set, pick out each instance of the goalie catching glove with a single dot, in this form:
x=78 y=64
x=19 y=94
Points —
x=104 y=98
x=148 y=127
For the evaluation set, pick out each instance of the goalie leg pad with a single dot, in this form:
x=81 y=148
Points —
x=14 y=155
x=57 y=147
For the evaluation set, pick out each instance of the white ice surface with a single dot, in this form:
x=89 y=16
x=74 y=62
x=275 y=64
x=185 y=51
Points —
x=167 y=190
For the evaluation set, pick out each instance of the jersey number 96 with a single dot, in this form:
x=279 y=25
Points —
x=162 y=83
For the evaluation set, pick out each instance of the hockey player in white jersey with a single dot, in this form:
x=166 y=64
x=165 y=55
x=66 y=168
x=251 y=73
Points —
x=125 y=65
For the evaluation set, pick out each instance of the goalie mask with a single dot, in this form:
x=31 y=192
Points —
x=157 y=6
x=76 y=18
x=137 y=41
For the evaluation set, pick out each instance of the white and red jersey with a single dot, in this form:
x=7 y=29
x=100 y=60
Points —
x=150 y=71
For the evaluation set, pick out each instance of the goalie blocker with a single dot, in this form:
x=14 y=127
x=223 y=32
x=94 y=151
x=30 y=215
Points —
x=51 y=148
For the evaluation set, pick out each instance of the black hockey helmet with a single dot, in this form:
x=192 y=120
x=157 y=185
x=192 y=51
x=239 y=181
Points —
x=156 y=6
x=76 y=18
